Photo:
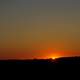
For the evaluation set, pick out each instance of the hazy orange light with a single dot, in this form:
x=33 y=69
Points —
x=54 y=57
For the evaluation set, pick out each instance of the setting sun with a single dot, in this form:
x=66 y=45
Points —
x=54 y=57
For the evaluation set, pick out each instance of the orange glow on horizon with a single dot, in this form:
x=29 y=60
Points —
x=54 y=54
x=54 y=57
x=35 y=54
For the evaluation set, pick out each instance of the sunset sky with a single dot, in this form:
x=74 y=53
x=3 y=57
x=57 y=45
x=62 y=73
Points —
x=39 y=28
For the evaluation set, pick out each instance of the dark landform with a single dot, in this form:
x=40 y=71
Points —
x=58 y=66
x=62 y=61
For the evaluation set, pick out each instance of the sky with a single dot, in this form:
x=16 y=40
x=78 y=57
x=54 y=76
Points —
x=39 y=28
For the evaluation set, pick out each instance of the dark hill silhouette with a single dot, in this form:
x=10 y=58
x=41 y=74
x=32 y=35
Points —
x=42 y=66
x=68 y=60
x=42 y=62
x=62 y=60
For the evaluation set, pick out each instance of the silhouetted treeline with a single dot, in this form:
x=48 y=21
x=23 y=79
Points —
x=42 y=66
x=63 y=60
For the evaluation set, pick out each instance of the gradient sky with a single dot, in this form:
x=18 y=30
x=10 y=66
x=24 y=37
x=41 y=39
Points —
x=39 y=28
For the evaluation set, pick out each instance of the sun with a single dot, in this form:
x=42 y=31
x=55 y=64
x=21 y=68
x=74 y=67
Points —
x=54 y=54
x=54 y=57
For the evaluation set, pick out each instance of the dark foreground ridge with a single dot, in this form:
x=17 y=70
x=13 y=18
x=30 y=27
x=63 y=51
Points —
x=57 y=61
x=43 y=66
